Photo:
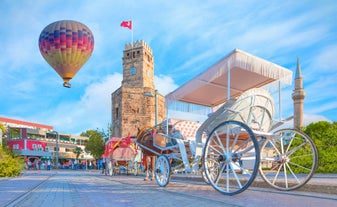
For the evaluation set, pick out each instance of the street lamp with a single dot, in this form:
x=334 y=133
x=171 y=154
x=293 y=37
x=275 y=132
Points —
x=57 y=148
x=155 y=104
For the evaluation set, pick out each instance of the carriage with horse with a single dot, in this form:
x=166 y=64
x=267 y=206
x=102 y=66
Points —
x=121 y=155
x=226 y=130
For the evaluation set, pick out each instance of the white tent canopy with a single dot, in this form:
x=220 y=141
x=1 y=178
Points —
x=230 y=77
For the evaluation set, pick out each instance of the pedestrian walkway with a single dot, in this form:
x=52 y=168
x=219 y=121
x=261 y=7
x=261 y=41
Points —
x=64 y=184
x=11 y=188
x=319 y=183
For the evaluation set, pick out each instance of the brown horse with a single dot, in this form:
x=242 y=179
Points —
x=145 y=141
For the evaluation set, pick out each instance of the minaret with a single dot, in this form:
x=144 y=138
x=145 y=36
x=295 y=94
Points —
x=298 y=97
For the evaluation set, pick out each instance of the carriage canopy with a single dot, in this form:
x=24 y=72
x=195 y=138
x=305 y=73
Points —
x=229 y=78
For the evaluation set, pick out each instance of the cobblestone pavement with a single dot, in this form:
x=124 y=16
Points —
x=84 y=188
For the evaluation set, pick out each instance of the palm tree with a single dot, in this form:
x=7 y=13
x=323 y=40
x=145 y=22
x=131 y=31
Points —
x=78 y=151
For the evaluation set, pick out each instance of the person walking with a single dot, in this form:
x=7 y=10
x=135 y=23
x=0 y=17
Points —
x=36 y=164
x=48 y=164
x=103 y=165
x=70 y=164
x=75 y=164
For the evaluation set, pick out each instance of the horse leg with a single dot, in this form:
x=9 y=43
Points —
x=147 y=168
x=153 y=162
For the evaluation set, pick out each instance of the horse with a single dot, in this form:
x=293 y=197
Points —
x=145 y=140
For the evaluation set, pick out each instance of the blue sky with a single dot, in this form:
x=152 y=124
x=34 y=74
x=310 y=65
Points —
x=185 y=36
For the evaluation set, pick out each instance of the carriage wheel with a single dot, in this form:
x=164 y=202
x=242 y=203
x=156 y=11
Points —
x=162 y=171
x=135 y=168
x=113 y=171
x=288 y=159
x=231 y=157
x=110 y=168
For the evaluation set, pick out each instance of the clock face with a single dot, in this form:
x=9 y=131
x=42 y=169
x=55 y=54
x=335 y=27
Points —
x=133 y=71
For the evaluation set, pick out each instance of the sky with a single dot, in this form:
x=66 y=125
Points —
x=186 y=38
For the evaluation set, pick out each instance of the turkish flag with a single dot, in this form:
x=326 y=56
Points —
x=127 y=24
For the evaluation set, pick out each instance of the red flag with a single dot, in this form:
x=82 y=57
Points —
x=127 y=24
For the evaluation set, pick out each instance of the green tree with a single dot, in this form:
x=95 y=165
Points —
x=324 y=135
x=2 y=132
x=3 y=129
x=95 y=144
x=11 y=163
x=78 y=151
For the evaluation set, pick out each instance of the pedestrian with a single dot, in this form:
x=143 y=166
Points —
x=29 y=165
x=48 y=164
x=36 y=164
x=75 y=164
x=103 y=165
x=71 y=164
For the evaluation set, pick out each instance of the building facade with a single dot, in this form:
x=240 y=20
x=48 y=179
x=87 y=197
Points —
x=136 y=103
x=33 y=140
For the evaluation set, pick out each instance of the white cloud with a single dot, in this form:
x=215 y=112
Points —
x=94 y=109
x=164 y=84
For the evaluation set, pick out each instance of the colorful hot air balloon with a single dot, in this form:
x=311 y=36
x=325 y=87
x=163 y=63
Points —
x=66 y=45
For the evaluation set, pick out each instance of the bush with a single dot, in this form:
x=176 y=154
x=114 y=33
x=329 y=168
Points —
x=10 y=164
x=324 y=135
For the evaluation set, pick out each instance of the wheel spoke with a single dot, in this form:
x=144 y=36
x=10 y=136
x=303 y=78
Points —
x=294 y=175
x=300 y=166
x=219 y=143
x=235 y=175
x=236 y=136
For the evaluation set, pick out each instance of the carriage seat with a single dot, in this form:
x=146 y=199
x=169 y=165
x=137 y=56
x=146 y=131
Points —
x=185 y=129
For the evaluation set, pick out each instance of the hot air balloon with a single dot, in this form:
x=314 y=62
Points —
x=66 y=45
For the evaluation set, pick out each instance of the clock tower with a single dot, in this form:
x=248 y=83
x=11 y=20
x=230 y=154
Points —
x=136 y=103
x=138 y=65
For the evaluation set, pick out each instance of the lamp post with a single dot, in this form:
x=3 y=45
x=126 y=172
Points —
x=57 y=148
x=155 y=104
x=156 y=107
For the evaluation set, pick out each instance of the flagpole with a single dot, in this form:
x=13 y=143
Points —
x=131 y=39
x=128 y=24
x=132 y=33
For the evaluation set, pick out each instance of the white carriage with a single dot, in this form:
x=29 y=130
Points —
x=240 y=137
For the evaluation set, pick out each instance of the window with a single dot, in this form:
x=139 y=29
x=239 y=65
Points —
x=116 y=112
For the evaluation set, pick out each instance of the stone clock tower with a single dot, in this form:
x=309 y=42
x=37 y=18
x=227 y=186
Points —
x=136 y=103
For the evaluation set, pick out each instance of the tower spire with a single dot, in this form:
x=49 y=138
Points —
x=298 y=69
x=298 y=97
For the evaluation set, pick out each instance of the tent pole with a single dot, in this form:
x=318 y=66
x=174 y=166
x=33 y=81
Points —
x=279 y=99
x=228 y=82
